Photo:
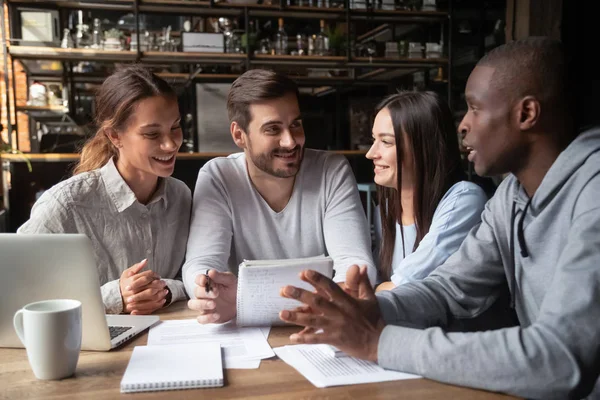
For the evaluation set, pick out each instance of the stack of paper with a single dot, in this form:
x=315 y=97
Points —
x=243 y=348
x=322 y=368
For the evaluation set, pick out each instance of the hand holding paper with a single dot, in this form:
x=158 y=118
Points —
x=351 y=324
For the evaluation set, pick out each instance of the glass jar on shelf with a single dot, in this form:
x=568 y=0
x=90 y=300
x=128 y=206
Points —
x=433 y=50
x=415 y=50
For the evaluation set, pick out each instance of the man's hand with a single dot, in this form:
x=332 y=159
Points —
x=351 y=324
x=141 y=292
x=219 y=304
x=385 y=286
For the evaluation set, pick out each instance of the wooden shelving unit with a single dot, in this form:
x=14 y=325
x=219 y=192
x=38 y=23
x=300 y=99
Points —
x=329 y=73
x=54 y=109
x=71 y=157
x=59 y=54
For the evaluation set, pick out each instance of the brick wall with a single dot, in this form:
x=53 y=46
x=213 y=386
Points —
x=21 y=89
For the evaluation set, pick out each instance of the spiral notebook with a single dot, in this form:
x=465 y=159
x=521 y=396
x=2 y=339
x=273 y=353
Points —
x=173 y=367
x=259 y=283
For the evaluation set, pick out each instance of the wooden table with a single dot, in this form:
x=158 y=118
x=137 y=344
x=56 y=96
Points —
x=99 y=374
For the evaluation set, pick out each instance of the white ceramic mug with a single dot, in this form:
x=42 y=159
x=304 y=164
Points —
x=51 y=332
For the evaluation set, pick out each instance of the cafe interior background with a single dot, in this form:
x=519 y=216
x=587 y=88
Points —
x=344 y=54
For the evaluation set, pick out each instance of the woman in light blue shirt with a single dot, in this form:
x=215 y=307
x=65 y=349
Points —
x=426 y=206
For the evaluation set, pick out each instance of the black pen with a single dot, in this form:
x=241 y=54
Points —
x=207 y=284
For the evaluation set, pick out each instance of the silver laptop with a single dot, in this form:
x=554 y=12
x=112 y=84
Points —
x=59 y=266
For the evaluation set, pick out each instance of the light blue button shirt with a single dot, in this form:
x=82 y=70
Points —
x=456 y=214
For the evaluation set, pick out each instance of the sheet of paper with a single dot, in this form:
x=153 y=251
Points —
x=242 y=347
x=265 y=331
x=317 y=364
x=241 y=364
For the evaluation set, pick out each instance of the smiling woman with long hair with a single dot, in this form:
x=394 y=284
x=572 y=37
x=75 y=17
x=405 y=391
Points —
x=123 y=196
x=426 y=206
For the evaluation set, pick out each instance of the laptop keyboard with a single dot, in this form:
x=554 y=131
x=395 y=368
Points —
x=117 y=330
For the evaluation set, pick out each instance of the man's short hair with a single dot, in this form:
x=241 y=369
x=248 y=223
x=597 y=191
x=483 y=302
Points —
x=255 y=86
x=534 y=66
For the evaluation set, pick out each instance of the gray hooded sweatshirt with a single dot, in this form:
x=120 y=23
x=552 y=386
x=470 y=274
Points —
x=547 y=249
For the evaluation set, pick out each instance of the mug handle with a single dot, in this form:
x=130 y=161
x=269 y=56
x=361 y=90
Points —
x=18 y=323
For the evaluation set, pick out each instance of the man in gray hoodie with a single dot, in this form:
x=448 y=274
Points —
x=540 y=233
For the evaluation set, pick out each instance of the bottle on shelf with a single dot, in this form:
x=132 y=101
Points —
x=281 y=40
x=322 y=41
x=301 y=44
x=67 y=40
x=97 y=34
x=250 y=37
x=82 y=38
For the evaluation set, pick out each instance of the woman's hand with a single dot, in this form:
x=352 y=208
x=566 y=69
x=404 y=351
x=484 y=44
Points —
x=142 y=292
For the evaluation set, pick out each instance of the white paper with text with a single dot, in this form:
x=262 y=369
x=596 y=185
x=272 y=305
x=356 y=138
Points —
x=260 y=281
x=316 y=363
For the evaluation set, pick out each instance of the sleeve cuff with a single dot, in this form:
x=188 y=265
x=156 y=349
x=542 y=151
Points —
x=177 y=290
x=398 y=279
x=398 y=349
x=111 y=297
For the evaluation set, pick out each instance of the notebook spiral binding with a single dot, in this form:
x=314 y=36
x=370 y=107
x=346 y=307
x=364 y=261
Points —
x=239 y=303
x=176 y=385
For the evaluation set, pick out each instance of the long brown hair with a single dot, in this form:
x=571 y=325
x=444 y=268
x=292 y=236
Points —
x=427 y=122
x=115 y=101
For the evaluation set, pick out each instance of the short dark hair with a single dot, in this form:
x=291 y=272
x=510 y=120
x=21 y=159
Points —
x=254 y=86
x=534 y=66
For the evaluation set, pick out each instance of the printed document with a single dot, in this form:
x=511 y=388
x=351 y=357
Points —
x=317 y=363
x=243 y=348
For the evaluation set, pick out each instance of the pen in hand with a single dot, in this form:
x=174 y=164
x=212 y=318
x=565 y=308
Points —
x=207 y=287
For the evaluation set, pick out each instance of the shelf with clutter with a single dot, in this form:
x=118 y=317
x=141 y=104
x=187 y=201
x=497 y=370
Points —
x=334 y=49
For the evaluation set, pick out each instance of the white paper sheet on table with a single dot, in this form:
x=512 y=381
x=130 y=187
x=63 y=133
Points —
x=243 y=348
x=265 y=330
x=322 y=369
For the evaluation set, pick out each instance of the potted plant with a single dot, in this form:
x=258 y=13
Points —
x=6 y=149
x=337 y=40
x=112 y=39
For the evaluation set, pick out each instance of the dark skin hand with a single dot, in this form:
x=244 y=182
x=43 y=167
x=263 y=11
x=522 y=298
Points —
x=347 y=318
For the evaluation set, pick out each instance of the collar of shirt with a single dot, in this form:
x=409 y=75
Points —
x=121 y=194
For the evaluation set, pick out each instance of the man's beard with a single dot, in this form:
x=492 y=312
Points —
x=264 y=162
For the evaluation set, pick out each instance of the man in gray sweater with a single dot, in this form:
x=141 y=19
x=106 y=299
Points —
x=540 y=233
x=276 y=200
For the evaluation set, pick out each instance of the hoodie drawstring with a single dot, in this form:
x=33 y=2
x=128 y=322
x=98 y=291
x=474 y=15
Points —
x=522 y=246
x=520 y=234
x=513 y=278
